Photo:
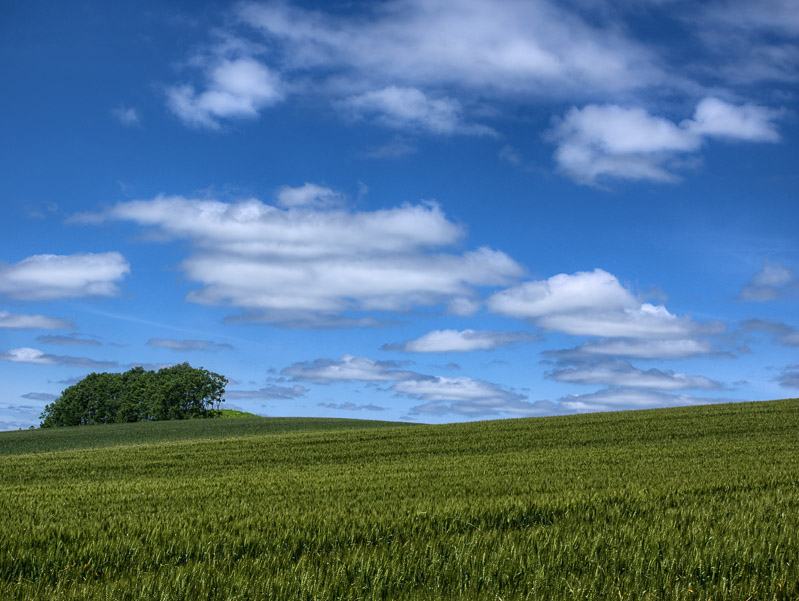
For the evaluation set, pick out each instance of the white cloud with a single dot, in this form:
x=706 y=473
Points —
x=642 y=349
x=716 y=118
x=308 y=195
x=410 y=108
x=349 y=369
x=295 y=264
x=595 y=290
x=454 y=341
x=70 y=340
x=609 y=141
x=497 y=47
x=466 y=397
x=40 y=396
x=271 y=392
x=591 y=303
x=38 y=357
x=50 y=277
x=32 y=322
x=618 y=399
x=789 y=378
x=621 y=373
x=770 y=283
x=126 y=115
x=351 y=407
x=782 y=333
x=188 y=345
x=460 y=396
x=236 y=88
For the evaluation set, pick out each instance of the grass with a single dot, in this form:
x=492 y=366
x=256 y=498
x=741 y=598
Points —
x=680 y=504
x=107 y=435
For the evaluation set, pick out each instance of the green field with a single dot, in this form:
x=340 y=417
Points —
x=681 y=504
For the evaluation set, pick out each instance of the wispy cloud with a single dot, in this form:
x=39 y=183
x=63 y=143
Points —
x=51 y=277
x=494 y=47
x=623 y=374
x=40 y=396
x=188 y=345
x=69 y=340
x=351 y=406
x=461 y=396
x=25 y=321
x=618 y=399
x=639 y=348
x=349 y=369
x=789 y=378
x=127 y=115
x=38 y=357
x=781 y=333
x=411 y=109
x=271 y=392
x=465 y=397
x=773 y=281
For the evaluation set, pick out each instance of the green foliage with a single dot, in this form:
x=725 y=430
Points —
x=681 y=504
x=227 y=413
x=177 y=392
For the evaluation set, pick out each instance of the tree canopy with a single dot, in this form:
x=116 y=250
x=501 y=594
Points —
x=177 y=392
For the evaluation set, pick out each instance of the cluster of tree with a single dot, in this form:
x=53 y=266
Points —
x=177 y=392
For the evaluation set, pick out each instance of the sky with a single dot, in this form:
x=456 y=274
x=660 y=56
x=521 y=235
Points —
x=420 y=210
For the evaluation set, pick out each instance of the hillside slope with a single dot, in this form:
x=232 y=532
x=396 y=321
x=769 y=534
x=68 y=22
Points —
x=688 y=503
x=107 y=435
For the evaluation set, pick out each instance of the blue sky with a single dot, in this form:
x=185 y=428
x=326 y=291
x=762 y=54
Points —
x=409 y=210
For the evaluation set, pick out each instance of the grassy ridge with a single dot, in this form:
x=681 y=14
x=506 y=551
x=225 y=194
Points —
x=693 y=503
x=107 y=435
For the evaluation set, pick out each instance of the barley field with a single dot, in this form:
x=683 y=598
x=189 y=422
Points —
x=697 y=503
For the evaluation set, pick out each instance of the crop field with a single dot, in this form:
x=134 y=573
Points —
x=697 y=503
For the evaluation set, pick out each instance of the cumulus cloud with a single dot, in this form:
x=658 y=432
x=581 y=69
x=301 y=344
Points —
x=623 y=374
x=618 y=399
x=599 y=142
x=51 y=277
x=454 y=341
x=23 y=321
x=38 y=357
x=590 y=303
x=748 y=122
x=271 y=392
x=296 y=264
x=411 y=109
x=188 y=345
x=773 y=281
x=235 y=88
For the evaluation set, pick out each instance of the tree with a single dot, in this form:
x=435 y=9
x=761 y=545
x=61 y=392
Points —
x=177 y=392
